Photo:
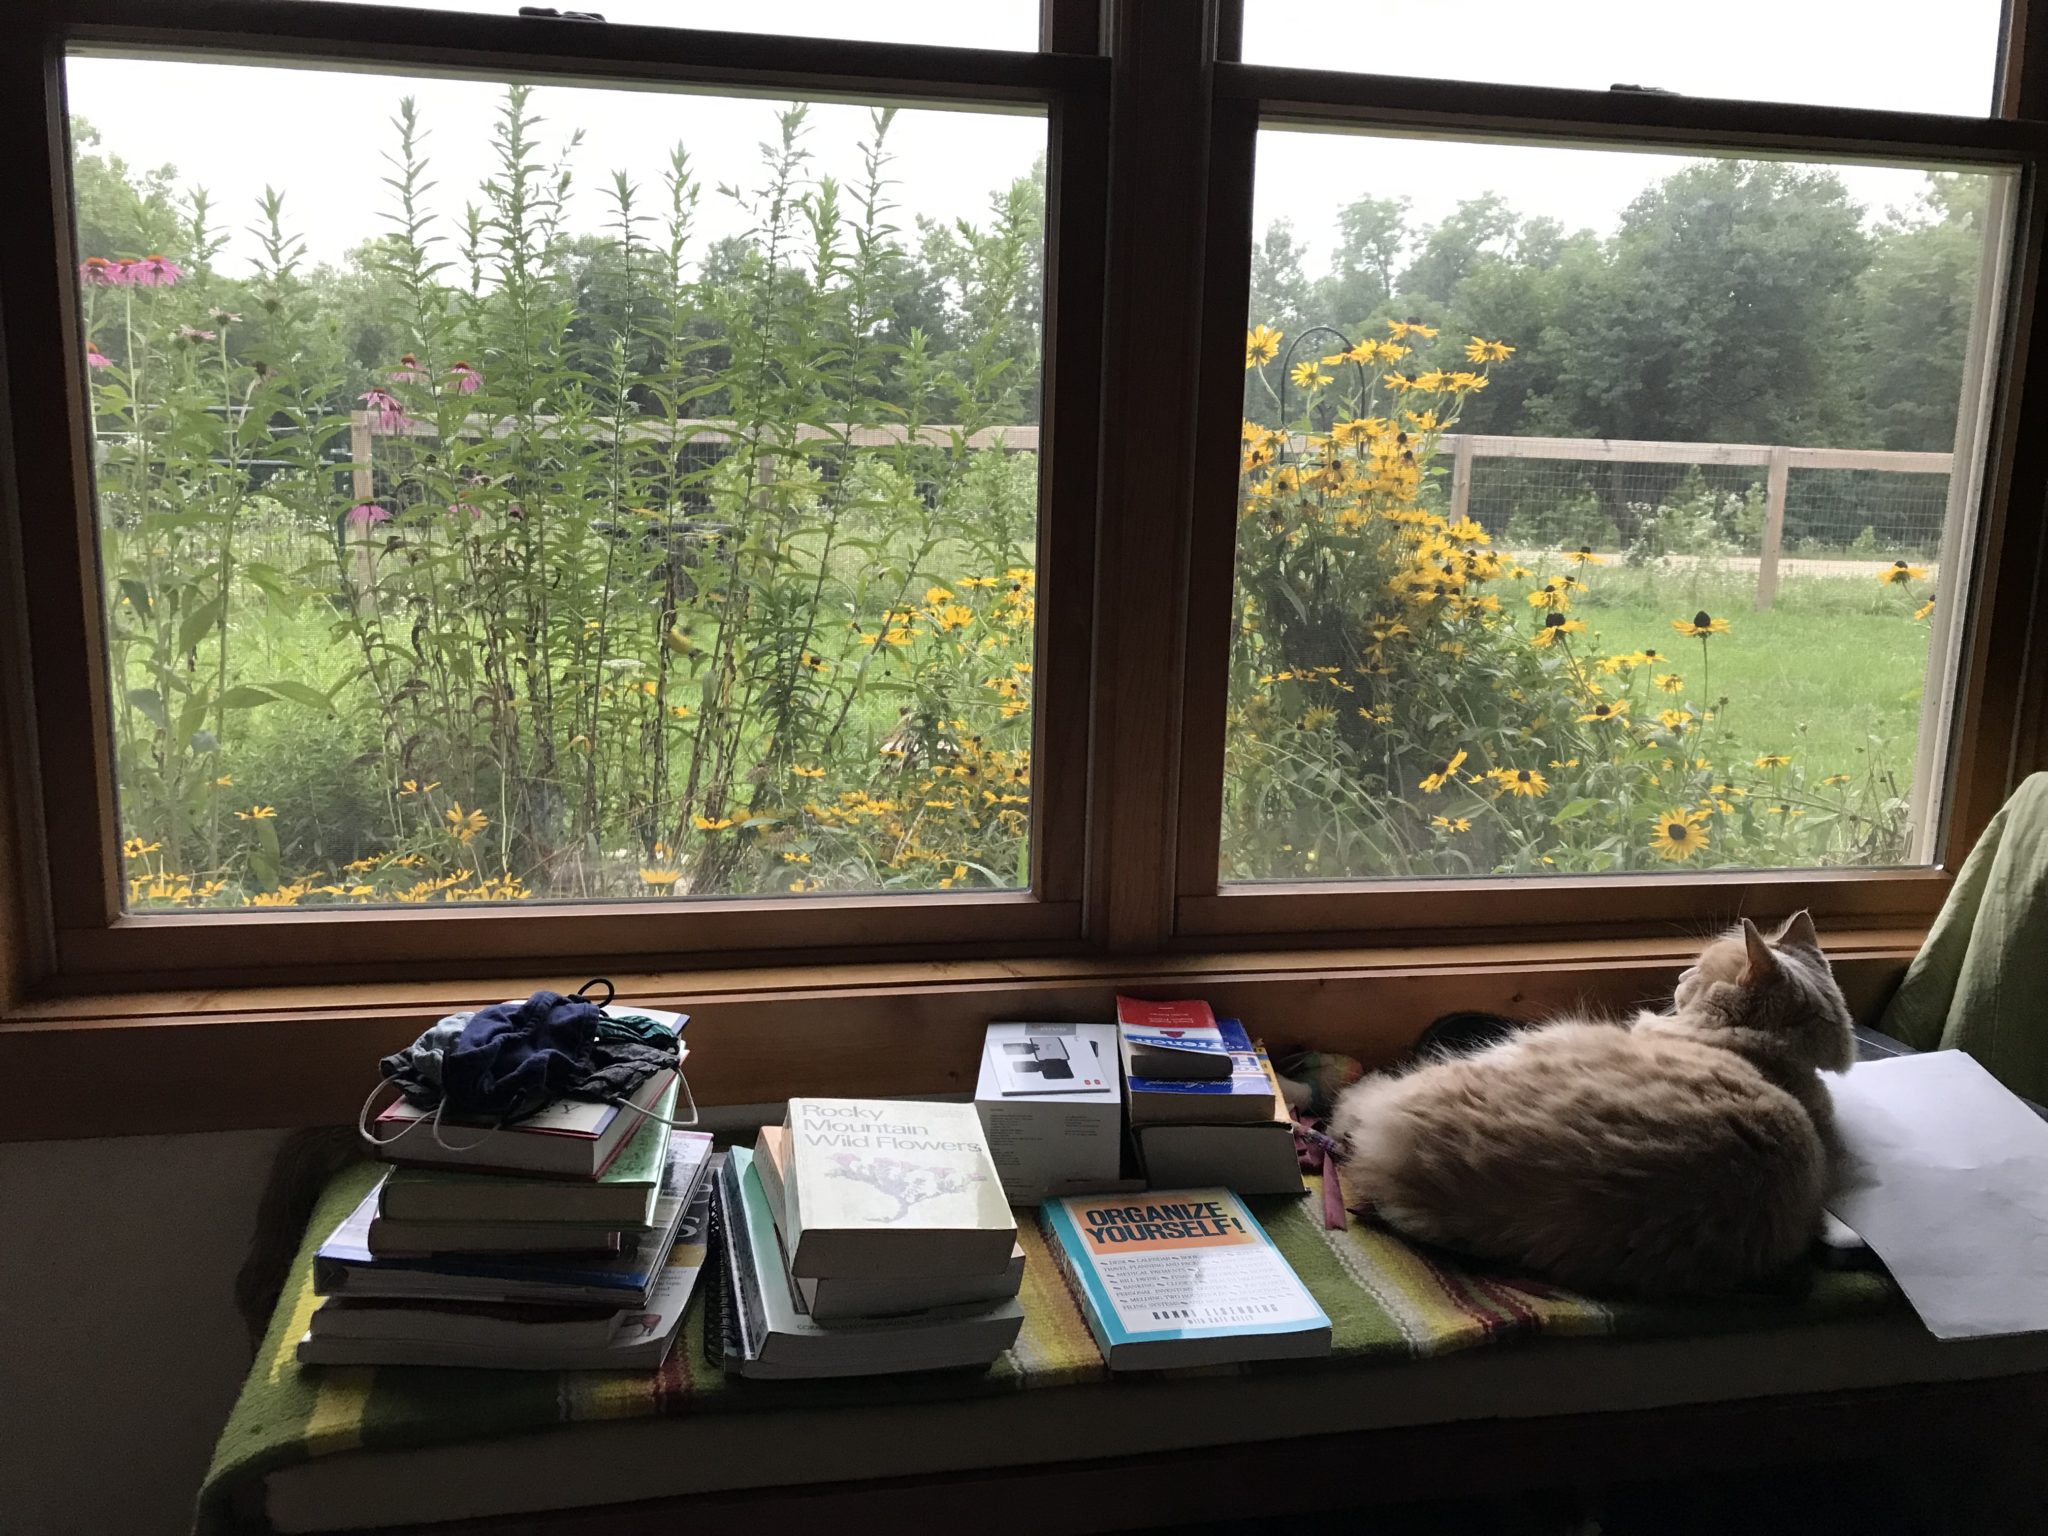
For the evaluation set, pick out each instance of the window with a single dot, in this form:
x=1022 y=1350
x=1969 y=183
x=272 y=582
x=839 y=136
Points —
x=1834 y=53
x=1599 y=510
x=558 y=493
x=957 y=510
x=1009 y=24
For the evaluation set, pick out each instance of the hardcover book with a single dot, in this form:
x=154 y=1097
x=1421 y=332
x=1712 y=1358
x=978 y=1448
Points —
x=1182 y=1278
x=568 y=1139
x=887 y=1188
x=622 y=1196
x=345 y=1266
x=1248 y=1095
x=768 y=1335
x=1177 y=1041
x=634 y=1337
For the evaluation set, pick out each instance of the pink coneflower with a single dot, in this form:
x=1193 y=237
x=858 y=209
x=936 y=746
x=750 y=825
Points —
x=391 y=415
x=467 y=380
x=408 y=371
x=364 y=514
x=95 y=358
x=99 y=272
x=224 y=317
x=153 y=271
x=193 y=333
x=457 y=508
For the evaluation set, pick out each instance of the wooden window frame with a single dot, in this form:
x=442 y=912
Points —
x=79 y=934
x=1152 y=124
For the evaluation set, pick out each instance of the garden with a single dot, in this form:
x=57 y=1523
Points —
x=517 y=561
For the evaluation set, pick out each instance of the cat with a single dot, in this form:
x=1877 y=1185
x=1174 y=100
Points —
x=1674 y=1153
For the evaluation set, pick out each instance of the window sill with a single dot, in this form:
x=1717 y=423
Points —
x=163 y=1062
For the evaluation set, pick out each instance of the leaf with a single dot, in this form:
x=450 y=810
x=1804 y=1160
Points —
x=1572 y=812
x=242 y=696
x=302 y=693
x=200 y=621
x=150 y=704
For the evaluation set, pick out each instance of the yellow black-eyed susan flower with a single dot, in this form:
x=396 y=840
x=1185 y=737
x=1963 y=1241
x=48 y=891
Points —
x=1525 y=782
x=1774 y=760
x=1584 y=555
x=1679 y=834
x=1309 y=375
x=1701 y=625
x=1261 y=345
x=660 y=879
x=1604 y=711
x=1555 y=627
x=1900 y=572
x=1670 y=682
x=1445 y=774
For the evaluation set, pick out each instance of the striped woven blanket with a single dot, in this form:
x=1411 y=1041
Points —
x=1386 y=1302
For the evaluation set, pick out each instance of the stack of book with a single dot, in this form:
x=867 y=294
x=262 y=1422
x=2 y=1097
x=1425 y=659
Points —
x=863 y=1237
x=1205 y=1106
x=568 y=1240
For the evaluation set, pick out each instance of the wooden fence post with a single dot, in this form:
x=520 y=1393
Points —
x=363 y=486
x=1461 y=476
x=1774 y=526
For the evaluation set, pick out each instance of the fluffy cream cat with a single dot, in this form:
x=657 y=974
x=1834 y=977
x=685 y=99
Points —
x=1679 y=1152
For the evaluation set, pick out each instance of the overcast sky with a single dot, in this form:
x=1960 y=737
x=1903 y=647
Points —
x=320 y=135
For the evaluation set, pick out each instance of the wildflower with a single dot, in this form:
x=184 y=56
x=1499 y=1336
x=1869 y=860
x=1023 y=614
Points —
x=135 y=848
x=792 y=857
x=1445 y=774
x=1450 y=823
x=680 y=711
x=803 y=772
x=1401 y=330
x=1925 y=610
x=408 y=371
x=98 y=272
x=225 y=781
x=1584 y=555
x=414 y=787
x=223 y=317
x=710 y=823
x=192 y=333
x=1836 y=778
x=1261 y=345
x=1604 y=712
x=1525 y=782
x=1679 y=834
x=1309 y=375
x=936 y=595
x=955 y=616
x=363 y=514
x=1674 y=719
x=1468 y=530
x=384 y=405
x=1480 y=350
x=1898 y=573
x=660 y=879
x=1702 y=625
x=1317 y=717
x=153 y=272
x=95 y=358
x=257 y=813
x=1774 y=760
x=1551 y=595
x=457 y=508
x=1670 y=682
x=800 y=885
x=467 y=380
x=1554 y=626
x=463 y=825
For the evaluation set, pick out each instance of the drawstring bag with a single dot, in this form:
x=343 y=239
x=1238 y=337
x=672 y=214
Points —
x=499 y=1064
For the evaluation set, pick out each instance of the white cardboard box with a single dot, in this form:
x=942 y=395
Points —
x=1051 y=1100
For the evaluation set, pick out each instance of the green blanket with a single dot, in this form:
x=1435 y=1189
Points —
x=1980 y=982
x=1387 y=1302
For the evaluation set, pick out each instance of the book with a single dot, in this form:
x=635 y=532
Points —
x=414 y=1239
x=768 y=1335
x=637 y=1337
x=1247 y=1096
x=622 y=1196
x=567 y=1139
x=1063 y=1136
x=841 y=1297
x=1252 y=1159
x=884 y=1188
x=1185 y=1277
x=344 y=1265
x=478 y=1323
x=1176 y=1041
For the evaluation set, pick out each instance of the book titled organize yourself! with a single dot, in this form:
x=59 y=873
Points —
x=1184 y=1277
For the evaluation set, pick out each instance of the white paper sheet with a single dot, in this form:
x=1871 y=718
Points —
x=1948 y=1181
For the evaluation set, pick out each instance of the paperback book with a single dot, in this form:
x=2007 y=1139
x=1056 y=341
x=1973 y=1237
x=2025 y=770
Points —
x=768 y=1335
x=1255 y=1158
x=888 y=1188
x=1182 y=1278
x=1175 y=1041
x=1247 y=1095
x=345 y=1266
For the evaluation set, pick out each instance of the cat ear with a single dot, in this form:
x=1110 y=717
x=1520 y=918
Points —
x=1761 y=961
x=1798 y=931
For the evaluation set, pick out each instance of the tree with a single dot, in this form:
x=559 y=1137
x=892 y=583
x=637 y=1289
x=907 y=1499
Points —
x=1478 y=228
x=1371 y=234
x=1914 y=310
x=1280 y=293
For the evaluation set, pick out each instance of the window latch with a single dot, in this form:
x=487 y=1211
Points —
x=549 y=13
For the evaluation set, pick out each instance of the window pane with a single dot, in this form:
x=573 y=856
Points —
x=562 y=493
x=1878 y=54
x=1007 y=24
x=1594 y=507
